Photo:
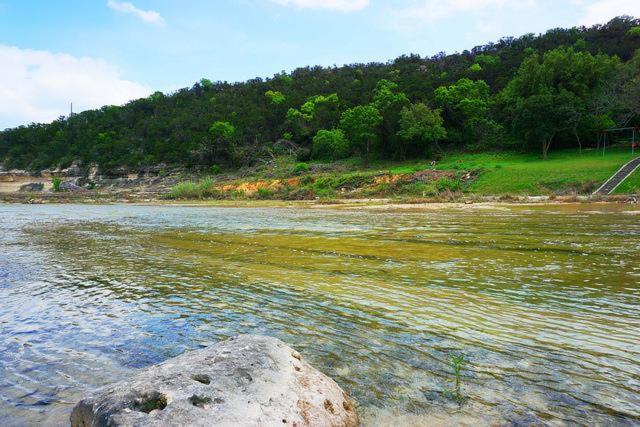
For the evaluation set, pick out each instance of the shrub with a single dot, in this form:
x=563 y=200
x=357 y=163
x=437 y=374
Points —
x=303 y=155
x=57 y=184
x=447 y=184
x=420 y=189
x=301 y=168
x=238 y=194
x=185 y=190
x=215 y=170
x=330 y=145
x=264 y=193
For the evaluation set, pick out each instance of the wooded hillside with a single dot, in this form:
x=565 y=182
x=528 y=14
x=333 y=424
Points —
x=558 y=89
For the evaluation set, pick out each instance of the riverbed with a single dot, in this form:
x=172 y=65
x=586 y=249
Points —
x=543 y=302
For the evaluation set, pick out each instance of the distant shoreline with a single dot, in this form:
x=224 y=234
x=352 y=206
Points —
x=337 y=203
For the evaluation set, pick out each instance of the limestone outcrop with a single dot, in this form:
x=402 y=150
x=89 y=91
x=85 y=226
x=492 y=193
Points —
x=244 y=381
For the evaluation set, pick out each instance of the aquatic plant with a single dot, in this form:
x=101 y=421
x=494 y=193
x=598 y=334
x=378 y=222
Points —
x=456 y=362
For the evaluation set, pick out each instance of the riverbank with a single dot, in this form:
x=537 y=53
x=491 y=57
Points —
x=415 y=204
x=567 y=175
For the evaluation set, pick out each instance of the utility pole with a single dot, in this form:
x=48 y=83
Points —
x=71 y=113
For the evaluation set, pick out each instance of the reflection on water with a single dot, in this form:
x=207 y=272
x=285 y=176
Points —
x=543 y=301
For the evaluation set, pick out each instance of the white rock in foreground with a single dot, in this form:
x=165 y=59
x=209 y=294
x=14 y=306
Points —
x=245 y=381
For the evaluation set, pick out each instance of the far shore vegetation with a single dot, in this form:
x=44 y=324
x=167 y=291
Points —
x=481 y=174
x=528 y=115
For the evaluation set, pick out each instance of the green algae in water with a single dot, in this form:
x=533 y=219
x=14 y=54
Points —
x=541 y=300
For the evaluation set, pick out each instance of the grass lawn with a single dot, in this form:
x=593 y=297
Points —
x=498 y=174
x=630 y=185
x=508 y=173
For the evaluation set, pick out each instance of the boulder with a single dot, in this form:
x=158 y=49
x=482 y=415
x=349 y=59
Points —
x=244 y=381
x=32 y=186
x=72 y=186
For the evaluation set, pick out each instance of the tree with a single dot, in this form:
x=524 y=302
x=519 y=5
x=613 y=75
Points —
x=361 y=125
x=389 y=101
x=275 y=97
x=466 y=105
x=219 y=142
x=619 y=96
x=330 y=145
x=549 y=95
x=541 y=117
x=421 y=126
x=634 y=32
x=319 y=111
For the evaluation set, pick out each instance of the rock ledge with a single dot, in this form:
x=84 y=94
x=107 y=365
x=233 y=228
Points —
x=244 y=381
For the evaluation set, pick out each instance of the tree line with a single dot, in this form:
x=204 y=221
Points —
x=558 y=89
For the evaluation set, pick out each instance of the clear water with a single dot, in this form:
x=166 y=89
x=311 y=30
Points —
x=543 y=301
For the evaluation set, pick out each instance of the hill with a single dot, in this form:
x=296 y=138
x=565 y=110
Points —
x=526 y=94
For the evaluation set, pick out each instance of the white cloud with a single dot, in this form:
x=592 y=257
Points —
x=600 y=12
x=433 y=10
x=149 y=16
x=37 y=86
x=339 y=5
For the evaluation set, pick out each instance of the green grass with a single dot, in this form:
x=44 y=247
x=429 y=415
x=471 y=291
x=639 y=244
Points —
x=564 y=171
x=630 y=185
x=193 y=190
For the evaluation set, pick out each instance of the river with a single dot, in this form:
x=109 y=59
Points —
x=543 y=302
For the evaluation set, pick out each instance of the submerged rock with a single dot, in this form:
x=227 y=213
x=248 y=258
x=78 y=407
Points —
x=245 y=381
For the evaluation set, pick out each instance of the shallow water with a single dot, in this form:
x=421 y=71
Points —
x=543 y=301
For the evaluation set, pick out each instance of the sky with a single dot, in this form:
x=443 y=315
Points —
x=106 y=52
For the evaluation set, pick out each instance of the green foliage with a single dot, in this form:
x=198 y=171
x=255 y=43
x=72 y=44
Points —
x=488 y=113
x=275 y=97
x=456 y=363
x=389 y=100
x=475 y=68
x=361 y=126
x=447 y=184
x=634 y=31
x=156 y=96
x=421 y=127
x=206 y=84
x=222 y=130
x=219 y=145
x=487 y=60
x=264 y=193
x=215 y=170
x=184 y=190
x=317 y=111
x=330 y=145
x=467 y=106
x=386 y=96
x=301 y=168
x=56 y=183
x=549 y=95
x=194 y=190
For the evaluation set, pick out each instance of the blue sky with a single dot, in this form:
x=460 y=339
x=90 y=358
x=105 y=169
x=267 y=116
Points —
x=96 y=52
